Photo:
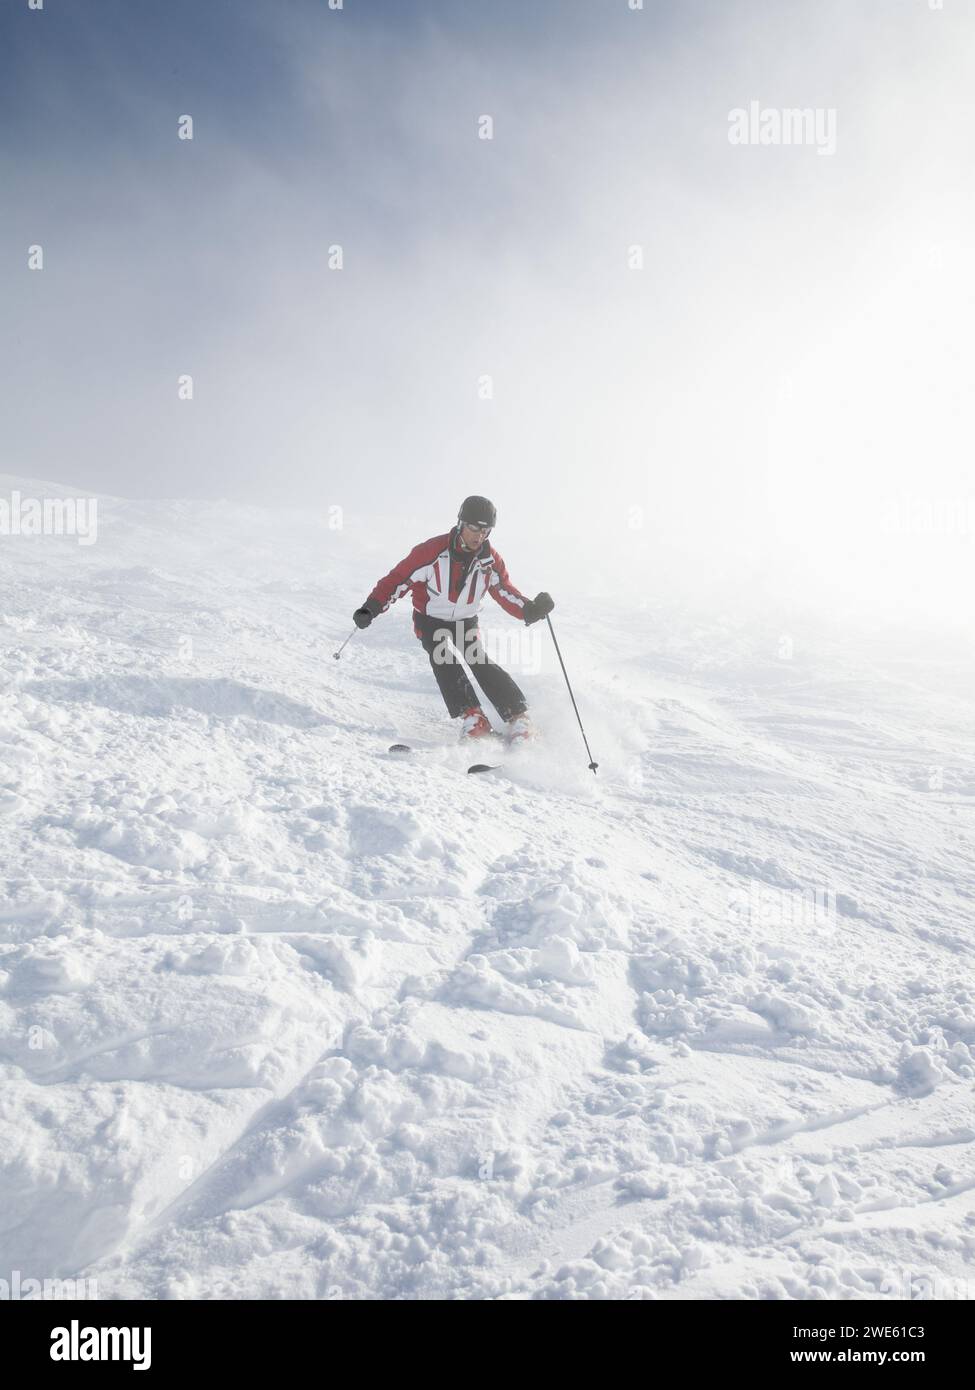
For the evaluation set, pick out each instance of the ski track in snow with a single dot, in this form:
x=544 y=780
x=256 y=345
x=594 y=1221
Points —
x=282 y=1015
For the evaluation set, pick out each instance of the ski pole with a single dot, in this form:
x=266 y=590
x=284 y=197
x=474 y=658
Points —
x=345 y=643
x=592 y=765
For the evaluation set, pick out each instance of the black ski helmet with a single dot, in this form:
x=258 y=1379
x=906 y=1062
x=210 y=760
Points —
x=478 y=510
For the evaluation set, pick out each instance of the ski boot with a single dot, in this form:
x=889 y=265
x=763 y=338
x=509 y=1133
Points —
x=520 y=729
x=475 y=724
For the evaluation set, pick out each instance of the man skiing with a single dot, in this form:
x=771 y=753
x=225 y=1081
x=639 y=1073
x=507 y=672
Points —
x=448 y=576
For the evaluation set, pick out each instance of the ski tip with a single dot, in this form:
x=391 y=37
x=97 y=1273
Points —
x=482 y=767
x=399 y=748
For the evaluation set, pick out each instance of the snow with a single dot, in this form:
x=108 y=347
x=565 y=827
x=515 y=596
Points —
x=282 y=1015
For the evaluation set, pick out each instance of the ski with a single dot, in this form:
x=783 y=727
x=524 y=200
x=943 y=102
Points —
x=521 y=741
x=511 y=744
x=403 y=749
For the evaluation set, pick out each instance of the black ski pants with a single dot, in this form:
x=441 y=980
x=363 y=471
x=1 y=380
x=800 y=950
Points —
x=443 y=639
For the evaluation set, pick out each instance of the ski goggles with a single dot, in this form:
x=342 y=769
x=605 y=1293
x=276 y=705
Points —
x=476 y=526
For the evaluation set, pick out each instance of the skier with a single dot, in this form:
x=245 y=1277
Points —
x=449 y=575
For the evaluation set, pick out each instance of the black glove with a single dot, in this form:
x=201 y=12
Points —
x=538 y=607
x=363 y=616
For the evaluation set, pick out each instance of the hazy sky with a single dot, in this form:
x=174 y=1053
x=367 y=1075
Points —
x=786 y=381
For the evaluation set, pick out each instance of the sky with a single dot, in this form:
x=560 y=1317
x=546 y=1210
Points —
x=782 y=393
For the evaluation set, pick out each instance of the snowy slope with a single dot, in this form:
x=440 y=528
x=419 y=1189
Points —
x=284 y=1016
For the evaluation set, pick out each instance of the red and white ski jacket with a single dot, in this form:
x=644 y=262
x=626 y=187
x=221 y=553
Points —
x=448 y=582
